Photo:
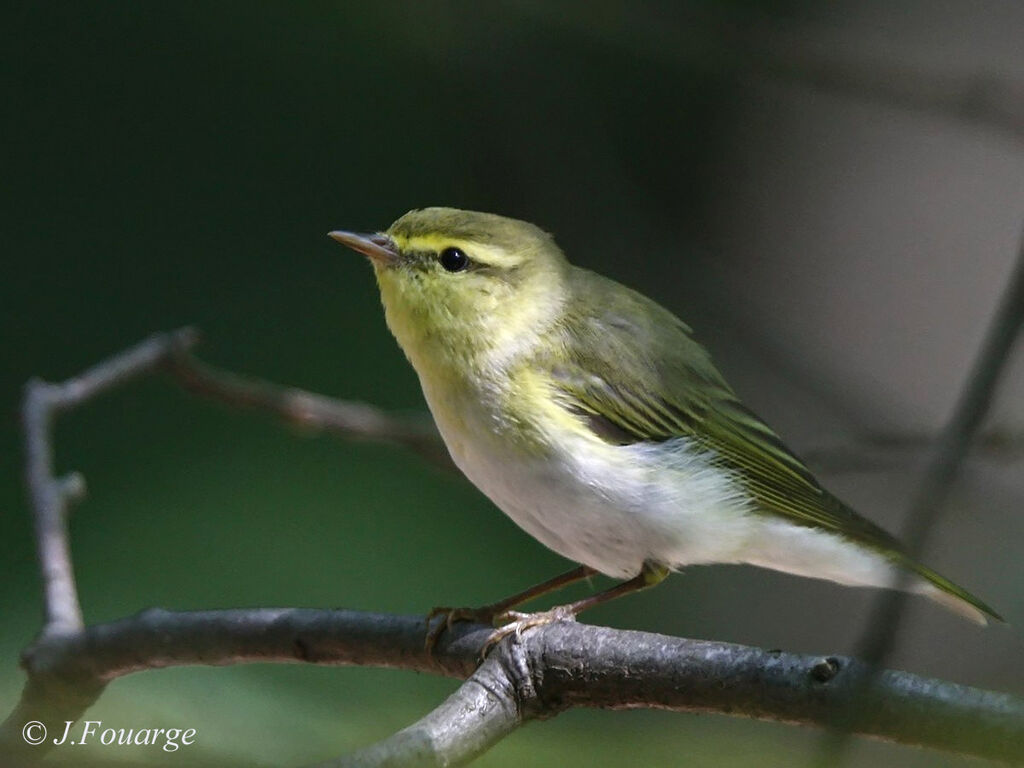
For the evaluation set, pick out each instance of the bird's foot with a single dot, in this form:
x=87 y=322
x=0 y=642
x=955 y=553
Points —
x=487 y=614
x=515 y=623
x=507 y=622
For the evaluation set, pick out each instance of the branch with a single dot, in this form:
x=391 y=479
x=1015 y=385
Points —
x=50 y=495
x=539 y=675
x=484 y=710
x=950 y=449
x=543 y=673
x=970 y=410
x=351 y=420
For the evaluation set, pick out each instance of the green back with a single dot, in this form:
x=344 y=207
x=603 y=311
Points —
x=657 y=384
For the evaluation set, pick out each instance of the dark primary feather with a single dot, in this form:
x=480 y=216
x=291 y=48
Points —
x=657 y=383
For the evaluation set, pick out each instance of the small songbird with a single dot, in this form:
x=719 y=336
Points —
x=591 y=417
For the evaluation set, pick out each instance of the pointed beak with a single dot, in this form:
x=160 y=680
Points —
x=379 y=248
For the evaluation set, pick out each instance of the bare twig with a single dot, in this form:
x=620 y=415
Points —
x=50 y=495
x=950 y=449
x=539 y=675
x=351 y=420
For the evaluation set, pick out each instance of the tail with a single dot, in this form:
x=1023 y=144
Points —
x=952 y=596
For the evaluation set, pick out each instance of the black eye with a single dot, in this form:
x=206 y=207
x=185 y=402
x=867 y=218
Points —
x=454 y=259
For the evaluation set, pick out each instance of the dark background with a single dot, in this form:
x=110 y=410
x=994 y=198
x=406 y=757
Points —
x=839 y=249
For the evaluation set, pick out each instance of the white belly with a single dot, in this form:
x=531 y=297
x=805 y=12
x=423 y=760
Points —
x=614 y=507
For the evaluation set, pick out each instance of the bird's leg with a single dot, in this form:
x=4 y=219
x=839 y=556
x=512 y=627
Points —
x=650 y=574
x=488 y=613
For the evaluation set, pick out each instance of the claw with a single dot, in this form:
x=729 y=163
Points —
x=515 y=622
x=507 y=623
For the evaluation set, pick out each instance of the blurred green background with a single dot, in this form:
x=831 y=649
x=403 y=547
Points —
x=180 y=163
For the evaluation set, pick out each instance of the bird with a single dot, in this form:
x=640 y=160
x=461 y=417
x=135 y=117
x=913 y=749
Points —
x=591 y=416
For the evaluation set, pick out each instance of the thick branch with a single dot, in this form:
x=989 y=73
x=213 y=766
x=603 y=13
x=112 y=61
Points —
x=485 y=709
x=553 y=668
x=547 y=671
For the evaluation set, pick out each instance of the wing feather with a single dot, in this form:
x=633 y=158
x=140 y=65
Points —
x=634 y=372
x=637 y=375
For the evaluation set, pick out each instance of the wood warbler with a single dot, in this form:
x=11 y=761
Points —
x=591 y=417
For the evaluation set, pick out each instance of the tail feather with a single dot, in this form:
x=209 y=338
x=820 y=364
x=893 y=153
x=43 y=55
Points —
x=952 y=596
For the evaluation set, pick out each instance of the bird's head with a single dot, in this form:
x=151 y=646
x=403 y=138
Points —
x=463 y=287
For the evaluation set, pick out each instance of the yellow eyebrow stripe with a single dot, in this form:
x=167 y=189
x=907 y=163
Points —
x=481 y=252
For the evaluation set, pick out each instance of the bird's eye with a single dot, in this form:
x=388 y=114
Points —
x=454 y=259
